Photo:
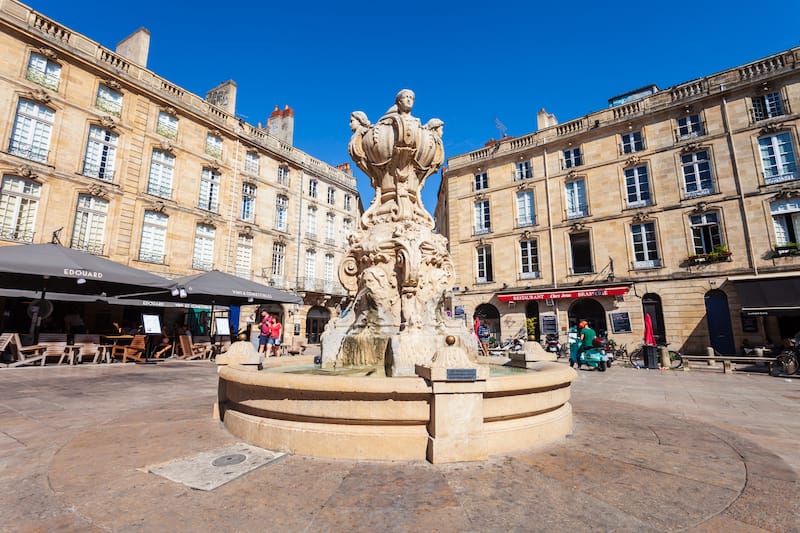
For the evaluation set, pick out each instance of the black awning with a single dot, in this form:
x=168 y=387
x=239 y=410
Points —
x=769 y=296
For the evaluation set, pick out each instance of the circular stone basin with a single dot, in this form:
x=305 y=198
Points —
x=305 y=410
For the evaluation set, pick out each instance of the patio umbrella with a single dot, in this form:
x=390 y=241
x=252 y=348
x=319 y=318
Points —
x=51 y=267
x=649 y=338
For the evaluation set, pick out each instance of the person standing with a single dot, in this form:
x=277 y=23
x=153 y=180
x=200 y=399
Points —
x=275 y=331
x=483 y=337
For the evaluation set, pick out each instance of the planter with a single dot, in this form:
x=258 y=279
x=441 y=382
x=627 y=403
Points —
x=713 y=257
x=782 y=251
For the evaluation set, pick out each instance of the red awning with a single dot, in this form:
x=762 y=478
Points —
x=555 y=295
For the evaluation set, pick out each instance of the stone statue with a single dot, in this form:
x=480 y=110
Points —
x=397 y=270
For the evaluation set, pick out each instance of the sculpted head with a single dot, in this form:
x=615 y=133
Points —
x=358 y=119
x=404 y=100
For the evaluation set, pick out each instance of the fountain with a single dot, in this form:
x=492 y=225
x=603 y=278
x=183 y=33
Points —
x=420 y=391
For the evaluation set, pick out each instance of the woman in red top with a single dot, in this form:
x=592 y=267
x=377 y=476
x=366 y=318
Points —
x=275 y=337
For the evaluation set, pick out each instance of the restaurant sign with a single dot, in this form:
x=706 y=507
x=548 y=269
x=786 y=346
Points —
x=555 y=295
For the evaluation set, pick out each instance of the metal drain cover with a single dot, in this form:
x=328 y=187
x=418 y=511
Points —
x=209 y=470
x=228 y=460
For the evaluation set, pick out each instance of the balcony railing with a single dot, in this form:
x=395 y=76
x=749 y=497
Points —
x=780 y=178
x=42 y=78
x=94 y=248
x=529 y=275
x=698 y=193
x=100 y=172
x=483 y=231
x=162 y=191
x=643 y=265
x=214 y=152
x=688 y=134
x=151 y=257
x=29 y=151
x=311 y=236
x=170 y=132
x=321 y=286
x=12 y=234
x=202 y=264
x=109 y=106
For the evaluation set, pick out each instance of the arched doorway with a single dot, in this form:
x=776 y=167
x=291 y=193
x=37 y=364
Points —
x=718 y=316
x=651 y=305
x=316 y=319
x=532 y=311
x=490 y=314
x=590 y=310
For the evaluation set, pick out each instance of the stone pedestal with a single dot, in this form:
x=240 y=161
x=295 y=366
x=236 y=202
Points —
x=455 y=429
x=243 y=354
x=531 y=352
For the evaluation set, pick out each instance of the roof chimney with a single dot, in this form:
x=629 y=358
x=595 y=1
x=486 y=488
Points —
x=135 y=46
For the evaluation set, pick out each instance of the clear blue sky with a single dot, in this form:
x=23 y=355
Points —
x=468 y=62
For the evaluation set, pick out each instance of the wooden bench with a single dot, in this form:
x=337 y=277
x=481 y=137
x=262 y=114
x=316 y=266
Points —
x=727 y=361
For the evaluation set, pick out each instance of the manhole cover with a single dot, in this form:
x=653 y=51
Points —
x=228 y=460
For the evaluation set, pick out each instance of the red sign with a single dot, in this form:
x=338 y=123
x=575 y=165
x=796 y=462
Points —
x=586 y=293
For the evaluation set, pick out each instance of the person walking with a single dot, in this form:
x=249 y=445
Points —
x=264 y=333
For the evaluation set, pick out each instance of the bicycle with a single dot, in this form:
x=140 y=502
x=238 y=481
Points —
x=636 y=357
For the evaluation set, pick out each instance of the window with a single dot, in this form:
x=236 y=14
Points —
x=109 y=100
x=786 y=221
x=577 y=205
x=331 y=196
x=90 y=224
x=705 y=232
x=167 y=125
x=481 y=181
x=43 y=71
x=348 y=229
x=581 y=249
x=214 y=146
x=632 y=142
x=697 y=174
x=209 y=190
x=311 y=223
x=19 y=198
x=767 y=106
x=162 y=168
x=248 y=202
x=101 y=151
x=30 y=137
x=330 y=232
x=637 y=186
x=244 y=256
x=777 y=158
x=328 y=274
x=348 y=202
x=203 y=258
x=529 y=259
x=689 y=127
x=484 y=265
x=283 y=175
x=572 y=158
x=483 y=220
x=523 y=170
x=281 y=208
x=525 y=209
x=312 y=188
x=311 y=267
x=645 y=249
x=278 y=259
x=154 y=237
x=251 y=162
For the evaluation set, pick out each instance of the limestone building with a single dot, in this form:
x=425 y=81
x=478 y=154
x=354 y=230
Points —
x=679 y=203
x=106 y=156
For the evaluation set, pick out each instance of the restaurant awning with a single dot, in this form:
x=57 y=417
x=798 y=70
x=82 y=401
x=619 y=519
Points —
x=571 y=293
x=769 y=296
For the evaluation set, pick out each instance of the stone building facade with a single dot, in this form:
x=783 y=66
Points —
x=104 y=155
x=679 y=203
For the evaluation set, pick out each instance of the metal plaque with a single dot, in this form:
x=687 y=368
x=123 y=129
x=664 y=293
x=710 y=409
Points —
x=462 y=374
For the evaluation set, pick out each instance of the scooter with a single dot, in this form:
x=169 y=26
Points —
x=551 y=343
x=594 y=357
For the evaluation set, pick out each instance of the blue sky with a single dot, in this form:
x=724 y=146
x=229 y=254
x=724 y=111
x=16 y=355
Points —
x=469 y=63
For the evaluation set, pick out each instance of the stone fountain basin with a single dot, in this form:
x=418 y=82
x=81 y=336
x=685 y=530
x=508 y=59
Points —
x=386 y=418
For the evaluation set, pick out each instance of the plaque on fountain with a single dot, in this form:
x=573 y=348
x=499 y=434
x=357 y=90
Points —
x=462 y=374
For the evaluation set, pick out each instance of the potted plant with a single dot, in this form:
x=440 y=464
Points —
x=787 y=248
x=719 y=253
x=530 y=327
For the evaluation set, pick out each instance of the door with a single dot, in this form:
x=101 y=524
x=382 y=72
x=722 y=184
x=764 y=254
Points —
x=651 y=305
x=718 y=315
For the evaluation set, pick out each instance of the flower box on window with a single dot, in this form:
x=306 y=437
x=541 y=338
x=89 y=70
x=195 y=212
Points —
x=719 y=254
x=790 y=248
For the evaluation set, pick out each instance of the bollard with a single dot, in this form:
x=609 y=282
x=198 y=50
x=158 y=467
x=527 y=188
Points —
x=711 y=354
x=663 y=354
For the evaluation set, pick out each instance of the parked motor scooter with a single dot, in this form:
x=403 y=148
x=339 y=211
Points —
x=551 y=343
x=594 y=357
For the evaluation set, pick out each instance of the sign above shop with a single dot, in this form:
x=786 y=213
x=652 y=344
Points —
x=582 y=293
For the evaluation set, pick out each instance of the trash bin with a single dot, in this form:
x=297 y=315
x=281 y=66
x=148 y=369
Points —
x=650 y=357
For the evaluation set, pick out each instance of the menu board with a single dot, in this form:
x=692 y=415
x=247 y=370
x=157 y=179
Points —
x=549 y=324
x=223 y=326
x=152 y=324
x=621 y=322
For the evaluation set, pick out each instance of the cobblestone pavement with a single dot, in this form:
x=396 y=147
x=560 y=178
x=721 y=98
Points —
x=651 y=451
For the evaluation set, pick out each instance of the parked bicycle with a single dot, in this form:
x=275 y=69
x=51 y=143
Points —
x=788 y=362
x=636 y=357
